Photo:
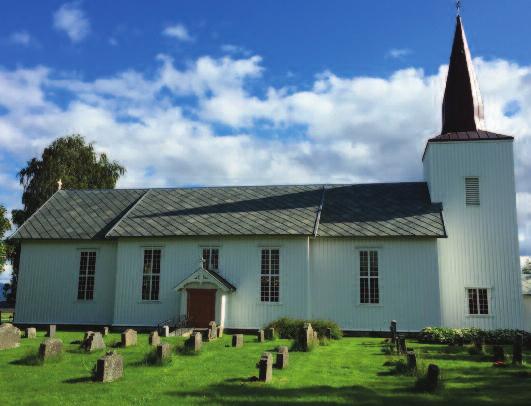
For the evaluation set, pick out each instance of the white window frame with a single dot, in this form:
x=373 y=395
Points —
x=489 y=304
x=370 y=277
x=150 y=274
x=269 y=275
x=80 y=252
x=211 y=247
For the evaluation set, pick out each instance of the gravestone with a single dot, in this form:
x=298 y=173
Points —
x=518 y=343
x=194 y=342
x=212 y=331
x=265 y=367
x=105 y=331
x=432 y=376
x=9 y=336
x=307 y=337
x=401 y=344
x=50 y=330
x=328 y=333
x=110 y=367
x=129 y=338
x=50 y=348
x=93 y=341
x=479 y=344
x=163 y=351
x=237 y=340
x=165 y=331
x=31 y=332
x=499 y=354
x=392 y=328
x=282 y=357
x=86 y=336
x=260 y=336
x=270 y=333
x=411 y=361
x=154 y=339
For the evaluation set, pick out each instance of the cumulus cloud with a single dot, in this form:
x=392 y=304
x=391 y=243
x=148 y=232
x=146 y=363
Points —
x=177 y=31
x=71 y=19
x=20 y=38
x=206 y=122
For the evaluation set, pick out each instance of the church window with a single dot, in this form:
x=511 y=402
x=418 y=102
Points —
x=270 y=275
x=151 y=274
x=211 y=258
x=369 y=287
x=478 y=301
x=87 y=271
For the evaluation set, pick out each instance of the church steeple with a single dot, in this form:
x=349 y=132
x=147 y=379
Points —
x=462 y=108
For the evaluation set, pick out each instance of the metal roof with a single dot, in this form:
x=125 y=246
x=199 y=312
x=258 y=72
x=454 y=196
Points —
x=366 y=210
x=475 y=135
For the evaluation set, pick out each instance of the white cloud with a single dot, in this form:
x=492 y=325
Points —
x=207 y=124
x=397 y=53
x=178 y=31
x=235 y=49
x=20 y=38
x=71 y=19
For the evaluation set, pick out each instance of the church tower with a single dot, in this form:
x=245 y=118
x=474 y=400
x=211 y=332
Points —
x=471 y=172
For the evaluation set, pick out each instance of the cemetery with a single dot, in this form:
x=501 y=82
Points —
x=313 y=365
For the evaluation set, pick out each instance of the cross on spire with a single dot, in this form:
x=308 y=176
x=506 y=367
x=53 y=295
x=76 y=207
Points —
x=458 y=7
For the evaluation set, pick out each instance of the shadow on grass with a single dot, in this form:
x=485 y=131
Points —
x=151 y=359
x=81 y=379
x=30 y=359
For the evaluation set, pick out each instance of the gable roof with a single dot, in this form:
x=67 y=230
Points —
x=367 y=210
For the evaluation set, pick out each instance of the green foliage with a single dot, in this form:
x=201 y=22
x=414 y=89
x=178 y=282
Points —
x=5 y=226
x=286 y=327
x=74 y=162
x=460 y=336
x=526 y=269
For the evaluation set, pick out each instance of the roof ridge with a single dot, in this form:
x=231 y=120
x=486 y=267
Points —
x=127 y=212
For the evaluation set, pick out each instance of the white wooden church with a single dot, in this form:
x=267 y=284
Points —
x=441 y=252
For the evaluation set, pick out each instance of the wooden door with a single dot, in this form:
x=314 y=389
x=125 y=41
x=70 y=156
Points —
x=201 y=307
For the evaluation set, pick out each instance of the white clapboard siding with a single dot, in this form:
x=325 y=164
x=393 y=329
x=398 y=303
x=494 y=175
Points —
x=408 y=280
x=48 y=281
x=482 y=245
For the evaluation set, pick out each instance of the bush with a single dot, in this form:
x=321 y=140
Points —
x=460 y=336
x=289 y=328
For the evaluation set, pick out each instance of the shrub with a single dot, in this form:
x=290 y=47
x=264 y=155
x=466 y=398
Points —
x=286 y=327
x=460 y=336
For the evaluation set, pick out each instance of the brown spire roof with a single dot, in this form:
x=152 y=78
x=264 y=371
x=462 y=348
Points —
x=462 y=109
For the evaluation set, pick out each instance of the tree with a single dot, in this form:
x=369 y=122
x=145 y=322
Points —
x=526 y=269
x=5 y=226
x=70 y=160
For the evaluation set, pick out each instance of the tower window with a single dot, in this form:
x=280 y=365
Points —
x=472 y=191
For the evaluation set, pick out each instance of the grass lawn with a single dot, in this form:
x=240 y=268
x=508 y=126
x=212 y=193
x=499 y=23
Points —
x=6 y=317
x=349 y=371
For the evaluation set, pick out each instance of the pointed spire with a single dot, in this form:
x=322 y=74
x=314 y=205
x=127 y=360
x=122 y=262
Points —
x=462 y=108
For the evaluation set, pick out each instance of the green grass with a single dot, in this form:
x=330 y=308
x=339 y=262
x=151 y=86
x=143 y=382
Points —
x=348 y=371
x=6 y=317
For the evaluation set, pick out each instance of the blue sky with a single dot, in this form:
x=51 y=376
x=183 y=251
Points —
x=254 y=92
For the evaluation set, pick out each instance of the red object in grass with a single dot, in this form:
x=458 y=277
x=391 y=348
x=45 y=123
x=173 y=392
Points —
x=499 y=364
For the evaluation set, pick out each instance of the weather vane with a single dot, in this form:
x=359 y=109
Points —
x=458 y=7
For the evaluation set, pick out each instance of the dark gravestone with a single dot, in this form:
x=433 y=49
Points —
x=165 y=331
x=129 y=338
x=212 y=331
x=432 y=376
x=154 y=339
x=9 y=336
x=411 y=361
x=163 y=351
x=328 y=333
x=237 y=340
x=518 y=343
x=282 y=357
x=479 y=344
x=31 y=332
x=109 y=368
x=270 y=333
x=194 y=342
x=392 y=328
x=93 y=341
x=265 y=367
x=50 y=348
x=307 y=337
x=260 y=336
x=50 y=330
x=401 y=344
x=105 y=331
x=499 y=354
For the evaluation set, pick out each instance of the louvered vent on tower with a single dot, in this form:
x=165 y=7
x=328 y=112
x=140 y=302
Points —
x=472 y=191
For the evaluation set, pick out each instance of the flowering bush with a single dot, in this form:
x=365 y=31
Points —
x=455 y=336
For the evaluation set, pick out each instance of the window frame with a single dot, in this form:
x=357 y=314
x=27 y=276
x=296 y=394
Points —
x=369 y=277
x=472 y=205
x=478 y=301
x=270 y=276
x=211 y=247
x=80 y=252
x=151 y=274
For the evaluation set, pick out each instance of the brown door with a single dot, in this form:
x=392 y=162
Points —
x=201 y=307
